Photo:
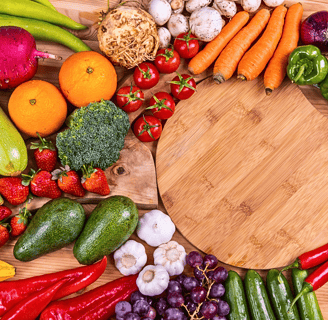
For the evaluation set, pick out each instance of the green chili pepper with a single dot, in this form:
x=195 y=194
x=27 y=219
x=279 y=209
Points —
x=307 y=66
x=46 y=3
x=42 y=30
x=34 y=10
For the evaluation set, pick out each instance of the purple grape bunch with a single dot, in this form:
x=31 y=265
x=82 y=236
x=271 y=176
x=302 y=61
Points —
x=197 y=297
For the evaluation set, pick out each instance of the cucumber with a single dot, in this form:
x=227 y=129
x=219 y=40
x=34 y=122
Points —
x=257 y=297
x=55 y=225
x=308 y=305
x=110 y=224
x=281 y=296
x=235 y=296
x=13 y=152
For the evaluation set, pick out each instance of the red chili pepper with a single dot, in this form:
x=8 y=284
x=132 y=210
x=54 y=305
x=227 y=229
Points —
x=11 y=292
x=97 y=304
x=30 y=307
x=310 y=259
x=314 y=281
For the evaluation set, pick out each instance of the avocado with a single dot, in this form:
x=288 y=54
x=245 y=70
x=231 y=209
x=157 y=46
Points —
x=55 y=225
x=110 y=224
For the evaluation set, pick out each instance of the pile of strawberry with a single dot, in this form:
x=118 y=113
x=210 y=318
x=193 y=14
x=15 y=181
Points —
x=45 y=182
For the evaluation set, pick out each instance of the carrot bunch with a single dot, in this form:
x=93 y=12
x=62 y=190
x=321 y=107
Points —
x=232 y=49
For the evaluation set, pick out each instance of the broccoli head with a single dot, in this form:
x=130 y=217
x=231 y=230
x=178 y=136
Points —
x=95 y=136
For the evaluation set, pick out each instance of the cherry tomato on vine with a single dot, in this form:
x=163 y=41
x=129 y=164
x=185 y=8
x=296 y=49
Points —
x=162 y=105
x=147 y=128
x=186 y=44
x=146 y=75
x=183 y=86
x=167 y=60
x=130 y=98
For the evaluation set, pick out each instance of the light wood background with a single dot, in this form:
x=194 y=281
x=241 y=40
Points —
x=87 y=12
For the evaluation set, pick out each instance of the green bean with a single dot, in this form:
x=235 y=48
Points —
x=34 y=10
x=46 y=3
x=42 y=30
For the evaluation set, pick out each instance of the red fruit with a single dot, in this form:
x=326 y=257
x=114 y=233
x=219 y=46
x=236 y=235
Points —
x=186 y=44
x=68 y=181
x=5 y=212
x=130 y=98
x=19 y=223
x=161 y=105
x=4 y=234
x=94 y=180
x=42 y=185
x=45 y=154
x=13 y=190
x=183 y=86
x=147 y=128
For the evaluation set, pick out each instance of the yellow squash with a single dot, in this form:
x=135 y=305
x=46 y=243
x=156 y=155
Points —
x=6 y=271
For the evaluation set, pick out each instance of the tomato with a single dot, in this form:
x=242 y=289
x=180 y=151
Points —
x=167 y=60
x=183 y=86
x=146 y=75
x=130 y=98
x=147 y=128
x=186 y=44
x=162 y=105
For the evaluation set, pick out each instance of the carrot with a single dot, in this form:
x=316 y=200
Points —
x=207 y=56
x=276 y=69
x=256 y=58
x=227 y=62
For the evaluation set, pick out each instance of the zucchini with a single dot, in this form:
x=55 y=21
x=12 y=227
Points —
x=235 y=296
x=308 y=305
x=257 y=297
x=13 y=152
x=281 y=296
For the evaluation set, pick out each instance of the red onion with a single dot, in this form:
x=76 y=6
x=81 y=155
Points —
x=314 y=30
x=18 y=57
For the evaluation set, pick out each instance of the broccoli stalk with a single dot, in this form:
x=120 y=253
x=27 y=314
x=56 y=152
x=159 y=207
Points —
x=95 y=136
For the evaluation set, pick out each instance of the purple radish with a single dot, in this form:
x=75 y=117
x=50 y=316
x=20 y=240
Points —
x=18 y=57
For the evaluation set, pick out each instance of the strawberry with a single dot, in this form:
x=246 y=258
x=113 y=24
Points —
x=45 y=154
x=94 y=180
x=41 y=184
x=68 y=181
x=19 y=223
x=5 y=212
x=4 y=234
x=13 y=190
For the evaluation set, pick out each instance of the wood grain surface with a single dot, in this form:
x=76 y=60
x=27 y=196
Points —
x=87 y=12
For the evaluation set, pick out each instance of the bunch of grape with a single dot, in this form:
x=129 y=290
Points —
x=197 y=297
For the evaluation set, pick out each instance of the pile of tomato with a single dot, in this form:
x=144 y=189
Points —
x=147 y=75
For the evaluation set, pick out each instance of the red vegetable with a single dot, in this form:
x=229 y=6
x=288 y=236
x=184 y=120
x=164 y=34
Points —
x=147 y=128
x=162 y=105
x=186 y=44
x=19 y=57
x=183 y=86
x=314 y=281
x=130 y=98
x=314 y=30
x=30 y=307
x=146 y=75
x=12 y=292
x=167 y=60
x=98 y=303
x=310 y=259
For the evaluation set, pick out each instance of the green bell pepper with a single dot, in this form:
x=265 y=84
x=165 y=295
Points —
x=324 y=88
x=307 y=66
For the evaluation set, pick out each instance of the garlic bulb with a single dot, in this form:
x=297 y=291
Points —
x=130 y=258
x=172 y=256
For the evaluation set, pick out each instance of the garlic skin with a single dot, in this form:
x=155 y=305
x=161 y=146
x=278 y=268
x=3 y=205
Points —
x=130 y=258
x=172 y=256
x=155 y=228
x=153 y=280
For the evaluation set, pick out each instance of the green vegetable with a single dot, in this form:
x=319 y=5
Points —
x=308 y=305
x=110 y=224
x=34 y=10
x=324 y=88
x=13 y=152
x=235 y=296
x=55 y=225
x=95 y=136
x=281 y=296
x=46 y=3
x=257 y=296
x=307 y=66
x=46 y=31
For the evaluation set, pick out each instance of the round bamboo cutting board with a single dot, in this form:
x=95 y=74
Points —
x=244 y=176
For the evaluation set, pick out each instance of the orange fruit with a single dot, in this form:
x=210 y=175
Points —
x=37 y=106
x=87 y=77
